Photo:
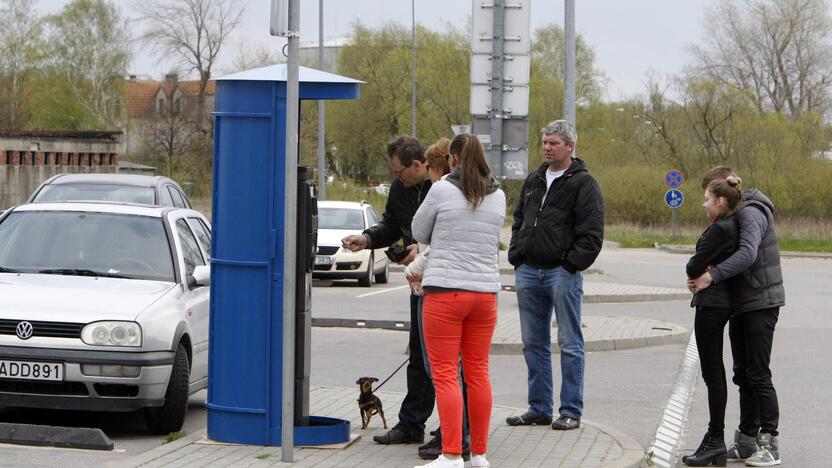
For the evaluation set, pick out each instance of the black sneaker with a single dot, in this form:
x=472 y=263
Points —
x=529 y=419
x=395 y=436
x=432 y=449
x=566 y=423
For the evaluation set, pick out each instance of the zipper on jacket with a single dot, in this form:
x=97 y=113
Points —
x=540 y=208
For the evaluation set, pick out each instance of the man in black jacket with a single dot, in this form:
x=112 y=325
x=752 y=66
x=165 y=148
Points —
x=557 y=233
x=409 y=188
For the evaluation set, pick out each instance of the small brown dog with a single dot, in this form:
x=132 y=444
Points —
x=369 y=404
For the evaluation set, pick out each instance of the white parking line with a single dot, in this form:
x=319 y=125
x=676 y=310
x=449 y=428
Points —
x=382 y=291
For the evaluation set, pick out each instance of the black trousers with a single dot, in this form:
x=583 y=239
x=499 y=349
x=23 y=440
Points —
x=709 y=328
x=752 y=335
x=418 y=403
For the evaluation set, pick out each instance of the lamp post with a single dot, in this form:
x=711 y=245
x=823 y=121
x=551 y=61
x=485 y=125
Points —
x=413 y=68
x=321 y=116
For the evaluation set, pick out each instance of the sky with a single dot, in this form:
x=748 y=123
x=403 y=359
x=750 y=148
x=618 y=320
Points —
x=631 y=38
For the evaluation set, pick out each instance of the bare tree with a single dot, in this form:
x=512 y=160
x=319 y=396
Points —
x=249 y=56
x=776 y=50
x=21 y=52
x=170 y=139
x=193 y=31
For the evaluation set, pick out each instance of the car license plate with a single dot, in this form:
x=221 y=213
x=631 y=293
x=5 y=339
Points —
x=26 y=370
x=323 y=260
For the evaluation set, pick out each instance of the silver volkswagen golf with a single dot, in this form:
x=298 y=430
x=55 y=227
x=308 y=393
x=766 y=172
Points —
x=105 y=307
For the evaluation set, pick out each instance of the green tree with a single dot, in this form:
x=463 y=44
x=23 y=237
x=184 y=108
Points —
x=21 y=53
x=360 y=129
x=89 y=49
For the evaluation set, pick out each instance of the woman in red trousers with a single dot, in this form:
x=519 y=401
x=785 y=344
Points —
x=461 y=219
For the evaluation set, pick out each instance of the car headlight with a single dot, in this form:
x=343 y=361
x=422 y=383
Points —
x=112 y=334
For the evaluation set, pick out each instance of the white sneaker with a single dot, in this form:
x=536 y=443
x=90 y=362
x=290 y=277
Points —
x=442 y=462
x=479 y=461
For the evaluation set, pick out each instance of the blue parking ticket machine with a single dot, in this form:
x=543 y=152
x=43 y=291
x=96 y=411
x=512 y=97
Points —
x=247 y=258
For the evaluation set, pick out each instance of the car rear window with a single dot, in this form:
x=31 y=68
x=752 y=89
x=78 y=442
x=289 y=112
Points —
x=340 y=218
x=97 y=192
x=91 y=244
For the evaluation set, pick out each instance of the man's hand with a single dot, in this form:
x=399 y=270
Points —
x=411 y=254
x=702 y=282
x=355 y=242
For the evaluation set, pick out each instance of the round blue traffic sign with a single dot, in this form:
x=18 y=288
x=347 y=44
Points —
x=674 y=178
x=674 y=198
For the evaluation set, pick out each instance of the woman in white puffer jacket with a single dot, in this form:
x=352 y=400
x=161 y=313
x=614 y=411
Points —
x=461 y=219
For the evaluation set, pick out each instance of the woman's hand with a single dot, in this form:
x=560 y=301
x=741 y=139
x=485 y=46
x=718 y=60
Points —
x=701 y=283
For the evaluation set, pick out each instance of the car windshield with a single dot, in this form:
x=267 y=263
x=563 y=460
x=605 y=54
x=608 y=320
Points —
x=85 y=244
x=340 y=218
x=97 y=192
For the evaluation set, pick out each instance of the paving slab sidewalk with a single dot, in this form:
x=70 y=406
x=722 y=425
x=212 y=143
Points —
x=593 y=445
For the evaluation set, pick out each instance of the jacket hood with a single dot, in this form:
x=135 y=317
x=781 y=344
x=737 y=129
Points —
x=754 y=196
x=578 y=165
x=453 y=178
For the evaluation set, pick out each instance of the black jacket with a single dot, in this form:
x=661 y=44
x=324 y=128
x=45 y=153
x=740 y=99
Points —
x=717 y=243
x=402 y=203
x=567 y=230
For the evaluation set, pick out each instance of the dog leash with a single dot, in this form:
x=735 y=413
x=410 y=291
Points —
x=391 y=375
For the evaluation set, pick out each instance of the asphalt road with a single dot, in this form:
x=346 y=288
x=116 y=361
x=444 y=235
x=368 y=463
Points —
x=626 y=390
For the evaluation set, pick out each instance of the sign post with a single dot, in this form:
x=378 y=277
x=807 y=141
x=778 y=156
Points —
x=673 y=198
x=500 y=73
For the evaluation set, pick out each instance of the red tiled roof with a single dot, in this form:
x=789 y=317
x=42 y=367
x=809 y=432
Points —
x=139 y=97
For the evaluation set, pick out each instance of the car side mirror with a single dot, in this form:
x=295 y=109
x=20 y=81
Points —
x=201 y=276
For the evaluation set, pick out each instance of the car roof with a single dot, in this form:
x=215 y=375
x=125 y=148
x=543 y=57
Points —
x=116 y=208
x=342 y=204
x=107 y=178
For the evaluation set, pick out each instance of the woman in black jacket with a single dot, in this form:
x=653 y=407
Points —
x=713 y=309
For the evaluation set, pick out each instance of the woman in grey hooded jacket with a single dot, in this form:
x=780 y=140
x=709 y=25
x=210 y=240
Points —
x=461 y=219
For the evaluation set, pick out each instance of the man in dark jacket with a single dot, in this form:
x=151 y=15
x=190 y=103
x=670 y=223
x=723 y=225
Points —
x=755 y=281
x=409 y=188
x=557 y=233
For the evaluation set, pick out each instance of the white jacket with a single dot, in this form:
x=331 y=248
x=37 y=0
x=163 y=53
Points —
x=464 y=243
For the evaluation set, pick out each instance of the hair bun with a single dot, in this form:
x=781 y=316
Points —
x=733 y=181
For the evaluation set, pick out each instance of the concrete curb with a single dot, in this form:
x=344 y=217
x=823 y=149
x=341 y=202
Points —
x=633 y=456
x=54 y=436
x=161 y=450
x=616 y=344
x=689 y=249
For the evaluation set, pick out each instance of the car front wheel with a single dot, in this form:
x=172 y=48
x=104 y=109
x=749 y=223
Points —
x=171 y=415
x=367 y=280
x=383 y=277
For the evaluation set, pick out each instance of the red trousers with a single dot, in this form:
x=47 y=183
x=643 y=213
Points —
x=461 y=323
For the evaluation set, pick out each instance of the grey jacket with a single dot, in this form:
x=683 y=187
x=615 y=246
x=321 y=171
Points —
x=464 y=244
x=756 y=281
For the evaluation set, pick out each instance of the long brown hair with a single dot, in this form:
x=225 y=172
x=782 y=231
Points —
x=474 y=173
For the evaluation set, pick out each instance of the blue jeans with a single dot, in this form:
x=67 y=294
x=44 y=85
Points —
x=539 y=291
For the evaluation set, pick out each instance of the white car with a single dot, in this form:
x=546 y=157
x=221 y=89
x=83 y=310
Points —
x=105 y=308
x=336 y=220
